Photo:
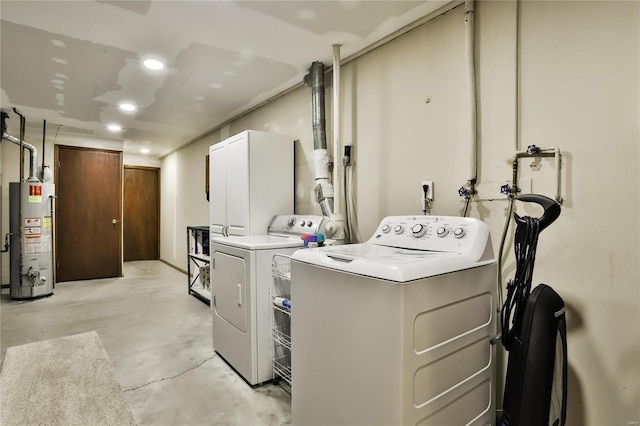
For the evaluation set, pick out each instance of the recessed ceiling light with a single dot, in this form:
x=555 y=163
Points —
x=144 y=150
x=153 y=64
x=114 y=127
x=127 y=106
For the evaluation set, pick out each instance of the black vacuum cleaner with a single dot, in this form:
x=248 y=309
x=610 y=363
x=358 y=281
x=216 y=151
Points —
x=534 y=333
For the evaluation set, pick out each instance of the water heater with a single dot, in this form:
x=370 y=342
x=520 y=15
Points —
x=31 y=228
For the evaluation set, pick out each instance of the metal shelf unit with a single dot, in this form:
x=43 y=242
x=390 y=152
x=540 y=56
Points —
x=198 y=263
x=281 y=330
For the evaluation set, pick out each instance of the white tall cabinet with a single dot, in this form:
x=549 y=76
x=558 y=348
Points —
x=251 y=180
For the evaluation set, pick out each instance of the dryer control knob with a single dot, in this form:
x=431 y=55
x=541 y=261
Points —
x=458 y=233
x=386 y=228
x=418 y=230
x=291 y=222
x=442 y=232
x=399 y=229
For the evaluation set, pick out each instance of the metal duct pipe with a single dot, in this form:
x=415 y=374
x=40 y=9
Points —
x=33 y=152
x=315 y=79
x=324 y=189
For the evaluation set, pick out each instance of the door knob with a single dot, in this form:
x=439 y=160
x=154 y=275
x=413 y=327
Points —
x=114 y=221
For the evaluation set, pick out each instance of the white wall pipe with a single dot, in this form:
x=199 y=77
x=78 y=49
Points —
x=338 y=201
x=517 y=77
x=469 y=25
x=337 y=217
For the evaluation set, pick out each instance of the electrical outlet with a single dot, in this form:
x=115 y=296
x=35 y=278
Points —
x=426 y=190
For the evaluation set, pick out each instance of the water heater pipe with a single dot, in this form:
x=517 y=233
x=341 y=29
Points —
x=33 y=152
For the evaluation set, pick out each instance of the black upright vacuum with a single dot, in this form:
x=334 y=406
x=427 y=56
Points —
x=534 y=333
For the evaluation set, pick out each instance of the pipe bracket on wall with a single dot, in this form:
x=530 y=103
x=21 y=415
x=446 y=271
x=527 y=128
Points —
x=535 y=152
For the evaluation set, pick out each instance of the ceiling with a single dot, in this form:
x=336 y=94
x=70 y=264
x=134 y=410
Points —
x=72 y=62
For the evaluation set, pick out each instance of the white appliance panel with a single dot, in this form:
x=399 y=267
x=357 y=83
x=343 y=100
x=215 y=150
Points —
x=249 y=352
x=238 y=186
x=231 y=290
x=251 y=180
x=398 y=254
x=396 y=330
x=368 y=351
x=259 y=242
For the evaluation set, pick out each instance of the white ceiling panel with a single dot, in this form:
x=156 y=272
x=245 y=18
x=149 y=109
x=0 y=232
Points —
x=72 y=62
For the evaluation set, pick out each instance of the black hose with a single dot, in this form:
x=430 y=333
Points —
x=347 y=231
x=501 y=251
x=519 y=288
x=466 y=206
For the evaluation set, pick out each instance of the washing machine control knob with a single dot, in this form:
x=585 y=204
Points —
x=458 y=233
x=418 y=230
x=291 y=222
x=386 y=228
x=309 y=224
x=442 y=232
x=399 y=229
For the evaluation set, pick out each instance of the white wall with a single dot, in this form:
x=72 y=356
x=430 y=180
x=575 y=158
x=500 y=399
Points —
x=579 y=80
x=183 y=199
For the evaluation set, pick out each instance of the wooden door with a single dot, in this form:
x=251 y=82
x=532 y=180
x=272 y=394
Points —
x=89 y=205
x=141 y=218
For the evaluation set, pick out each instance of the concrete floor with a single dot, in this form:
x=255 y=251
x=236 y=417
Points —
x=158 y=339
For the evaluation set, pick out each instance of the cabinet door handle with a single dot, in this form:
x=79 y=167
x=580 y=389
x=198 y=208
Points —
x=239 y=287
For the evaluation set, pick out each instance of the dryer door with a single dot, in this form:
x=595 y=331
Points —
x=231 y=289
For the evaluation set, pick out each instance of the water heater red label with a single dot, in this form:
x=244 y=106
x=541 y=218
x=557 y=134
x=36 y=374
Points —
x=35 y=190
x=35 y=193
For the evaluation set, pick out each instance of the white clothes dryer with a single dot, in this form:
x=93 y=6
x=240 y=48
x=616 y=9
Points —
x=397 y=330
x=241 y=292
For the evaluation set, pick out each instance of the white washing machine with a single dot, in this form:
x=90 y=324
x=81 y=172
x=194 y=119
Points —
x=396 y=331
x=241 y=298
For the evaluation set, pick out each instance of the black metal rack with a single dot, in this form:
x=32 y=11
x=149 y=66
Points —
x=198 y=263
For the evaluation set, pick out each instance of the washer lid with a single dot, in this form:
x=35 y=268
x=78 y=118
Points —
x=258 y=242
x=388 y=263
